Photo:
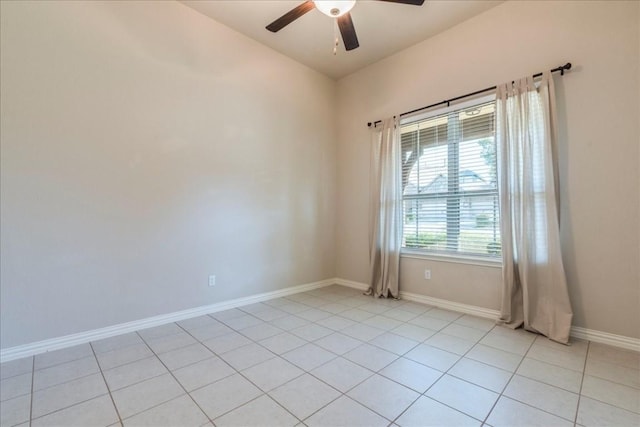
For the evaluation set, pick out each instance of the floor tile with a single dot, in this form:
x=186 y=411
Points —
x=309 y=356
x=293 y=308
x=394 y=343
x=170 y=342
x=118 y=357
x=434 y=357
x=336 y=323
x=314 y=314
x=551 y=374
x=557 y=357
x=342 y=374
x=15 y=411
x=416 y=308
x=356 y=314
x=428 y=322
x=383 y=396
x=440 y=313
x=513 y=344
x=184 y=356
x=413 y=332
x=509 y=413
x=181 y=411
x=362 y=332
x=543 y=396
x=371 y=357
x=202 y=373
x=272 y=373
x=114 y=343
x=464 y=332
x=242 y=322
x=16 y=367
x=459 y=362
x=344 y=412
x=335 y=308
x=468 y=398
x=595 y=413
x=255 y=413
x=289 y=322
x=211 y=331
x=476 y=322
x=95 y=412
x=67 y=394
x=160 y=331
x=478 y=373
x=227 y=314
x=15 y=386
x=450 y=343
x=311 y=332
x=145 y=395
x=134 y=372
x=411 y=374
x=400 y=314
x=225 y=343
x=57 y=357
x=259 y=332
x=247 y=356
x=282 y=343
x=225 y=395
x=382 y=322
x=615 y=394
x=617 y=356
x=338 y=343
x=304 y=395
x=198 y=322
x=255 y=307
x=426 y=412
x=64 y=372
x=494 y=357
x=612 y=372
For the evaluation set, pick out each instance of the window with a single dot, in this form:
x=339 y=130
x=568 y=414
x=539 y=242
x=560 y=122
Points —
x=449 y=181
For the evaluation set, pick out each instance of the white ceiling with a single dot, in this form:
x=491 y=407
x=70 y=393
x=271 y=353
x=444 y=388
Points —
x=383 y=28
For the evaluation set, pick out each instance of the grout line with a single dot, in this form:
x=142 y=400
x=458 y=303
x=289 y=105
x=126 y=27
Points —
x=106 y=384
x=173 y=376
x=33 y=374
x=584 y=371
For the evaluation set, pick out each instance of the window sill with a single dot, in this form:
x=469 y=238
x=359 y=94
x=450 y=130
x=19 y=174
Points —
x=456 y=259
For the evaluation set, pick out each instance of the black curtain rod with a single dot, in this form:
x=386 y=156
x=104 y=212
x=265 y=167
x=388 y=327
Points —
x=561 y=68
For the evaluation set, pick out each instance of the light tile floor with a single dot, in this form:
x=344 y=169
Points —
x=328 y=357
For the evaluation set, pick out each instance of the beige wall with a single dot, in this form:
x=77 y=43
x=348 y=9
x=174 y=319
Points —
x=144 y=147
x=598 y=156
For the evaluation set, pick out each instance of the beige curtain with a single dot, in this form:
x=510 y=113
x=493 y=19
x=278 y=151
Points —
x=534 y=285
x=385 y=226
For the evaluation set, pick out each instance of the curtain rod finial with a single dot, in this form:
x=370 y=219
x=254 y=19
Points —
x=369 y=124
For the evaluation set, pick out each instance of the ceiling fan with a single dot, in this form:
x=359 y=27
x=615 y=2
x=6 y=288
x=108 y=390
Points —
x=338 y=9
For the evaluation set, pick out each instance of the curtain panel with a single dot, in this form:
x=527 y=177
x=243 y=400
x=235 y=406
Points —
x=385 y=222
x=534 y=285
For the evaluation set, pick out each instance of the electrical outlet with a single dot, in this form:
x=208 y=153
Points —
x=212 y=280
x=427 y=274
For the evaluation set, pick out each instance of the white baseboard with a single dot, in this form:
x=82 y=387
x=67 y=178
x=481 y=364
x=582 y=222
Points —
x=57 y=343
x=620 y=341
x=451 y=305
x=31 y=349
x=351 y=284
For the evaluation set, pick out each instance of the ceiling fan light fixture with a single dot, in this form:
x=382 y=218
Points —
x=334 y=8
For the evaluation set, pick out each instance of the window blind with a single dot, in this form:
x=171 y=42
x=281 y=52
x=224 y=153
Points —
x=449 y=182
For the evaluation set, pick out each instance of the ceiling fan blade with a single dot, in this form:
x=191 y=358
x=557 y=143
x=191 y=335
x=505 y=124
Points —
x=412 y=2
x=291 y=16
x=348 y=32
